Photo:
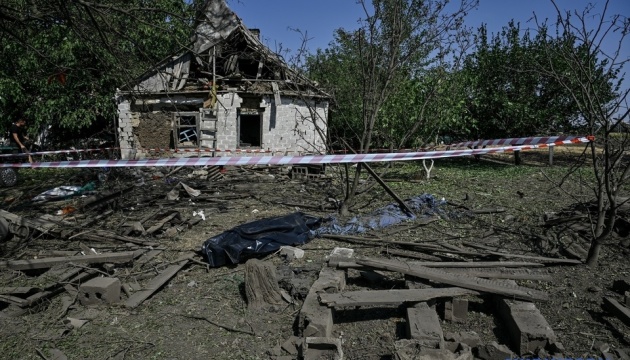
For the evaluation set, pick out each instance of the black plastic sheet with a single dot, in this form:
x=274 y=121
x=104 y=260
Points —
x=259 y=238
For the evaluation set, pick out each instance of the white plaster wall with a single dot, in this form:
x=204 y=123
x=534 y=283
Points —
x=293 y=131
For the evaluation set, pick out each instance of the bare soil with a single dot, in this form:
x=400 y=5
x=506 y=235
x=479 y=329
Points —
x=170 y=324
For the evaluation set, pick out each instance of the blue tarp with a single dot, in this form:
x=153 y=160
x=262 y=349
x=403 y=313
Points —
x=423 y=206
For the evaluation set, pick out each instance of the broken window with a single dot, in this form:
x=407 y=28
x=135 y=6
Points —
x=249 y=128
x=185 y=129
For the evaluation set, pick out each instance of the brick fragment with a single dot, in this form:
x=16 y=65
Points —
x=527 y=327
x=456 y=310
x=423 y=324
x=102 y=290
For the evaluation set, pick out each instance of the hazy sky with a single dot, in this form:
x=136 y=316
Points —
x=320 y=18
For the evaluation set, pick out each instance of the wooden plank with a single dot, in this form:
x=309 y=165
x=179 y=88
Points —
x=276 y=93
x=498 y=273
x=530 y=257
x=22 y=290
x=467 y=282
x=447 y=264
x=156 y=283
x=146 y=257
x=50 y=262
x=161 y=223
x=389 y=297
x=13 y=300
x=387 y=189
x=613 y=306
x=413 y=255
x=110 y=235
x=37 y=224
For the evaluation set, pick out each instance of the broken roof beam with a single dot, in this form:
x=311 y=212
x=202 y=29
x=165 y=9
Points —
x=467 y=282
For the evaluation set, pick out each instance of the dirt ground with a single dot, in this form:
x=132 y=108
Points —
x=170 y=324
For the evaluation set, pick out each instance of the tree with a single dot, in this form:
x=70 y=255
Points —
x=63 y=60
x=399 y=46
x=586 y=61
x=508 y=95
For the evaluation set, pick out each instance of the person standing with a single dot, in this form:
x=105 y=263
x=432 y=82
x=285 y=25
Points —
x=18 y=136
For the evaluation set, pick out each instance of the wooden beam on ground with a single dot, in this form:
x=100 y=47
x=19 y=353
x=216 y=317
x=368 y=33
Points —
x=81 y=259
x=161 y=223
x=445 y=264
x=530 y=257
x=21 y=290
x=103 y=198
x=499 y=273
x=413 y=255
x=36 y=224
x=157 y=282
x=112 y=236
x=389 y=297
x=614 y=307
x=467 y=282
x=387 y=189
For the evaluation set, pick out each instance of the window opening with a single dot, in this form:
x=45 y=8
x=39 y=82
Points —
x=186 y=129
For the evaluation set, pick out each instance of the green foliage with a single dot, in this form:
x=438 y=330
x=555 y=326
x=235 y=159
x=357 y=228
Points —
x=63 y=60
x=511 y=92
x=390 y=79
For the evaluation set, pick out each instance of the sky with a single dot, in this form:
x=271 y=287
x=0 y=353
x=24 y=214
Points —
x=319 y=19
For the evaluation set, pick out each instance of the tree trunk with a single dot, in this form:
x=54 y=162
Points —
x=593 y=253
x=261 y=285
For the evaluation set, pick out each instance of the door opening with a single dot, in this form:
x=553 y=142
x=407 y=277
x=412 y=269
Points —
x=250 y=130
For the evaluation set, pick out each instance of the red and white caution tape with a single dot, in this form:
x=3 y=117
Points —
x=52 y=152
x=515 y=141
x=289 y=160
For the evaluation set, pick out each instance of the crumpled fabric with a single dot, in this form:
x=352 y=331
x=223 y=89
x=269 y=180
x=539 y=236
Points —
x=423 y=206
x=62 y=192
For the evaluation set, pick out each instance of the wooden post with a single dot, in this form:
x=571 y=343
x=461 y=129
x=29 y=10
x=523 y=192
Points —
x=517 y=156
x=551 y=155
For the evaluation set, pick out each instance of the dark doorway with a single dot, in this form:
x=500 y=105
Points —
x=250 y=130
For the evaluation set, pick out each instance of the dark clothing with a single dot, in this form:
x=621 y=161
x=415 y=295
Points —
x=20 y=131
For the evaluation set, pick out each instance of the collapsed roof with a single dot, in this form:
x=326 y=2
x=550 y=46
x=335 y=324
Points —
x=225 y=51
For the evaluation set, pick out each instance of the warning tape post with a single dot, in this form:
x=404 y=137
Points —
x=299 y=160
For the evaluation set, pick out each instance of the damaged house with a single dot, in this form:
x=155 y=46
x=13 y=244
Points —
x=226 y=93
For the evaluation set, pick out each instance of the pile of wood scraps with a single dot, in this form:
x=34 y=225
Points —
x=438 y=287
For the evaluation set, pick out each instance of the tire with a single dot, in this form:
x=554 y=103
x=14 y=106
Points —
x=8 y=177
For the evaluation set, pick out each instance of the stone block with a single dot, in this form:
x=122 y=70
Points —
x=315 y=320
x=456 y=310
x=494 y=351
x=102 y=290
x=291 y=252
x=469 y=338
x=291 y=345
x=316 y=348
x=415 y=350
x=423 y=324
x=526 y=326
